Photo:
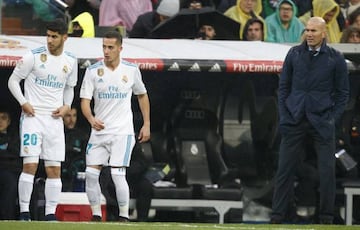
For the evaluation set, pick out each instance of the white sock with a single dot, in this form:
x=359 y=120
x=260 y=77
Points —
x=26 y=183
x=93 y=190
x=122 y=190
x=52 y=194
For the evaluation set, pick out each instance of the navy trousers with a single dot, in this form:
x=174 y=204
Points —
x=291 y=147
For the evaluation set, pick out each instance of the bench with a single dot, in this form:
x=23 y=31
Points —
x=221 y=206
x=351 y=188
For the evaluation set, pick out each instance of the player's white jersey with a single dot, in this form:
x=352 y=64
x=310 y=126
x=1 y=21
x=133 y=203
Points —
x=45 y=78
x=112 y=91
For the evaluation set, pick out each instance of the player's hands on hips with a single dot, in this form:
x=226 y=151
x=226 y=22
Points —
x=61 y=111
x=28 y=109
x=97 y=124
x=144 y=134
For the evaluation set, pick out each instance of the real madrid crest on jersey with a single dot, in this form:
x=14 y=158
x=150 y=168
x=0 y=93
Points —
x=65 y=69
x=100 y=72
x=124 y=78
x=43 y=57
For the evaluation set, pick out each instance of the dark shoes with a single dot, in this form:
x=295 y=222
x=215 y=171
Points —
x=123 y=219
x=50 y=217
x=96 y=219
x=99 y=219
x=24 y=216
x=276 y=219
x=325 y=221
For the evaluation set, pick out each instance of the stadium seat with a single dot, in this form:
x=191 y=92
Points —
x=198 y=151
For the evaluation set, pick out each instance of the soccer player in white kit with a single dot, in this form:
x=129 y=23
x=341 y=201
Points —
x=49 y=75
x=111 y=83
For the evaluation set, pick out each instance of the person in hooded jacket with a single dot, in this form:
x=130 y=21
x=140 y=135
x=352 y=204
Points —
x=243 y=11
x=146 y=22
x=122 y=13
x=329 y=11
x=283 y=25
x=82 y=26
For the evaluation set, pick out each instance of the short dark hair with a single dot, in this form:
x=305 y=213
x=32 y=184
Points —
x=57 y=25
x=4 y=109
x=352 y=17
x=114 y=34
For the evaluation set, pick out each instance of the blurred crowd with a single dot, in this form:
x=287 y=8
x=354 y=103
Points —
x=279 y=21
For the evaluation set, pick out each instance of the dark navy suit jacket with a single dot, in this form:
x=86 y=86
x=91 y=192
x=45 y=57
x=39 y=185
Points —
x=313 y=87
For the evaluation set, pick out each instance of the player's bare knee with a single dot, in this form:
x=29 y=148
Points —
x=30 y=165
x=52 y=168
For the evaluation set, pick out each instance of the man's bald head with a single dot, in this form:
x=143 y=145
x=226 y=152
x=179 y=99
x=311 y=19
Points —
x=315 y=32
x=318 y=21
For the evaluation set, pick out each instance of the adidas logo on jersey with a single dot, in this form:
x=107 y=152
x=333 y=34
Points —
x=100 y=80
x=42 y=66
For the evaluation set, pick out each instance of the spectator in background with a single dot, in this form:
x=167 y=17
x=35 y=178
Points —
x=42 y=14
x=349 y=7
x=145 y=23
x=76 y=7
x=197 y=4
x=42 y=10
x=283 y=26
x=254 y=30
x=354 y=18
x=224 y=5
x=10 y=167
x=206 y=32
x=351 y=35
x=243 y=11
x=75 y=146
x=328 y=10
x=269 y=7
x=303 y=6
x=122 y=13
x=82 y=26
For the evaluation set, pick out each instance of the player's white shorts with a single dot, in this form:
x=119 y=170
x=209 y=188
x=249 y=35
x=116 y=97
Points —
x=43 y=136
x=112 y=150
